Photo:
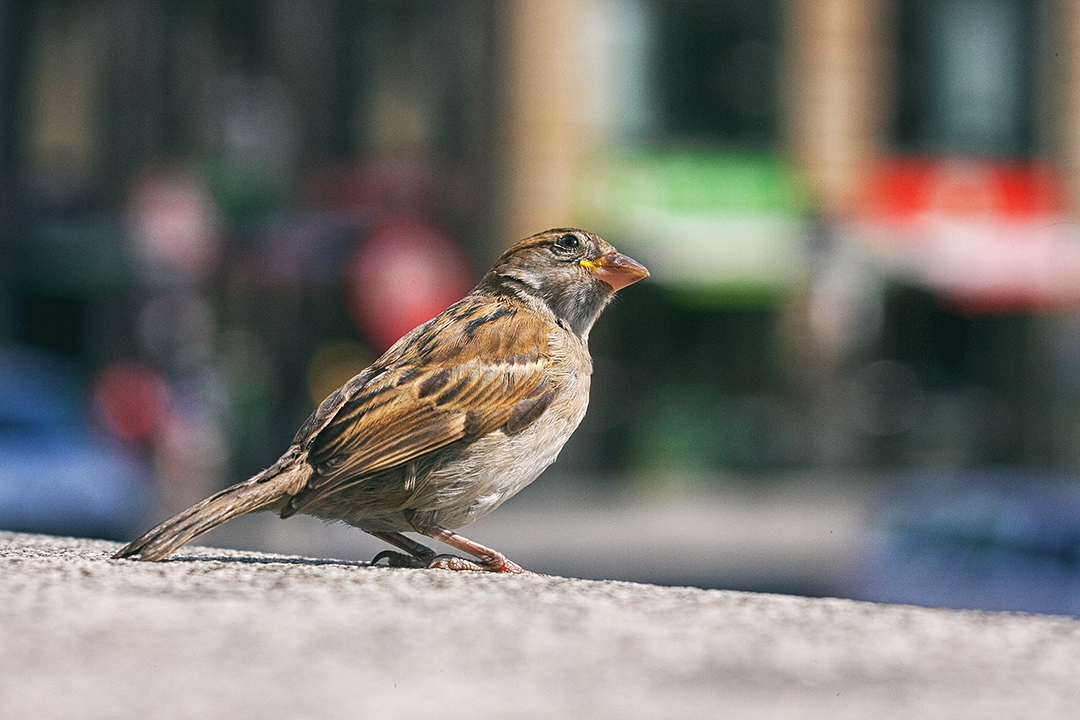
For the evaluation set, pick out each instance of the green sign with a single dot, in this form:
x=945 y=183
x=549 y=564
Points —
x=703 y=220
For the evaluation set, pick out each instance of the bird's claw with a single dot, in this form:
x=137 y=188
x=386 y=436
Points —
x=397 y=559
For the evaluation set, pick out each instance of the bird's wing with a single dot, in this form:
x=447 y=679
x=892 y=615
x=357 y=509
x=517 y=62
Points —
x=432 y=394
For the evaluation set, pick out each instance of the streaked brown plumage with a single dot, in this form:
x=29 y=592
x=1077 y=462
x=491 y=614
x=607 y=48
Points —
x=456 y=417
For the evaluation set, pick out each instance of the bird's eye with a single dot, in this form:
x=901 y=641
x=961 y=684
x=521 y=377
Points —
x=569 y=241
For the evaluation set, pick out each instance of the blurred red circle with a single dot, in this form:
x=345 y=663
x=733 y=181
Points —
x=403 y=273
x=132 y=399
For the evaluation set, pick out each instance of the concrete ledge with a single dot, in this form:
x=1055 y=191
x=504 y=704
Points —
x=221 y=634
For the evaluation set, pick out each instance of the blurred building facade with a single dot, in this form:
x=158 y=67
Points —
x=860 y=214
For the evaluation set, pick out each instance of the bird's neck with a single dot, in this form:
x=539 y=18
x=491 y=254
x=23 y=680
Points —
x=574 y=312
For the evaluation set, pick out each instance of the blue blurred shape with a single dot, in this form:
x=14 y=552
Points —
x=56 y=475
x=990 y=540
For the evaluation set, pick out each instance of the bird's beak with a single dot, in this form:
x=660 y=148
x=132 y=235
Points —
x=616 y=270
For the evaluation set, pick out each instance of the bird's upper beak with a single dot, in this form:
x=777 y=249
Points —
x=616 y=269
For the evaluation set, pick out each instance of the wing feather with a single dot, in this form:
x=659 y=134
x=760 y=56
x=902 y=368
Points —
x=410 y=404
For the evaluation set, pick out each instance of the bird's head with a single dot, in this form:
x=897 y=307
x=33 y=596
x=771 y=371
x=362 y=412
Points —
x=573 y=272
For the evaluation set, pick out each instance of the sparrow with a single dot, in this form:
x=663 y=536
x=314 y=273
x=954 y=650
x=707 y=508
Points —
x=455 y=418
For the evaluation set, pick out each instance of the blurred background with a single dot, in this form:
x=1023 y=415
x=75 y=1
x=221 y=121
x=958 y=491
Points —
x=854 y=371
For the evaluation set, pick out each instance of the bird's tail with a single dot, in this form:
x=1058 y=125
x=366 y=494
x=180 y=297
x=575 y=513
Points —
x=266 y=489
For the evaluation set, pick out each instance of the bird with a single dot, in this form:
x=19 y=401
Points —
x=452 y=420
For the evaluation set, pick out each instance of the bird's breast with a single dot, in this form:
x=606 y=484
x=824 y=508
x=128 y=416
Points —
x=497 y=466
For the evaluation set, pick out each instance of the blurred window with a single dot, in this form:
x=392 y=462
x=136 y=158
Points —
x=716 y=78
x=966 y=76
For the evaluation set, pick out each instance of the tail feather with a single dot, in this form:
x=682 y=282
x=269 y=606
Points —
x=263 y=490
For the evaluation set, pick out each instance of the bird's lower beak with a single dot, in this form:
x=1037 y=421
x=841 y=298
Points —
x=616 y=269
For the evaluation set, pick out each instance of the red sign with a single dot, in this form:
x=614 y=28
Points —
x=985 y=235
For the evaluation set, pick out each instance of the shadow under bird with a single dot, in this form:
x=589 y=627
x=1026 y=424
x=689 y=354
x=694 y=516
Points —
x=459 y=415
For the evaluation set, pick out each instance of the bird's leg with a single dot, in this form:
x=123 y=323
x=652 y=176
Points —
x=490 y=560
x=418 y=555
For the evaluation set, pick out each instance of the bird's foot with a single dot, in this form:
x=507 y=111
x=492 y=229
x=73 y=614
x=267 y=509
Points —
x=447 y=562
x=421 y=556
x=397 y=559
x=495 y=564
x=415 y=555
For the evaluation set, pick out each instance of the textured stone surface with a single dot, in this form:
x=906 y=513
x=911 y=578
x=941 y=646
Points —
x=219 y=634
